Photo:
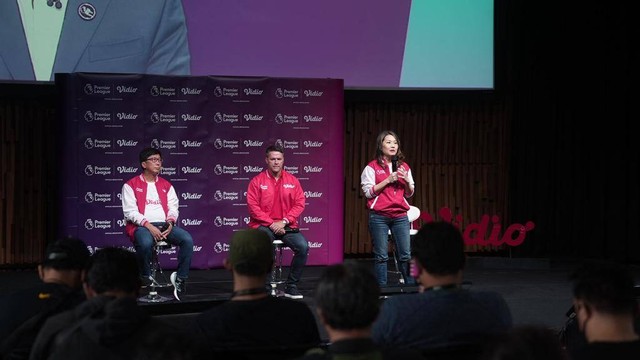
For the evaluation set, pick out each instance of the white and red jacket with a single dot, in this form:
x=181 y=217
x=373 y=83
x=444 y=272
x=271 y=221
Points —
x=260 y=198
x=391 y=201
x=134 y=200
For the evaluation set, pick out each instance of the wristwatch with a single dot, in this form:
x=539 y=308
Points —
x=285 y=221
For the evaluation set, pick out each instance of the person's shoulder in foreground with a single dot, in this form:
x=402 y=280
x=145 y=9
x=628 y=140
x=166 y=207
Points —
x=347 y=303
x=531 y=342
x=442 y=313
x=23 y=313
x=606 y=307
x=110 y=320
x=252 y=318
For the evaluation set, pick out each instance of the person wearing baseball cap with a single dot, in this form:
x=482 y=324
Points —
x=253 y=320
x=23 y=312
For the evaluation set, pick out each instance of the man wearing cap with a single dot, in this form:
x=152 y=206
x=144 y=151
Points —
x=253 y=319
x=110 y=324
x=150 y=206
x=276 y=200
x=23 y=312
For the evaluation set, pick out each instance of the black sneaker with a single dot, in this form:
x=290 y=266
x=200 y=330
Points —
x=178 y=285
x=292 y=293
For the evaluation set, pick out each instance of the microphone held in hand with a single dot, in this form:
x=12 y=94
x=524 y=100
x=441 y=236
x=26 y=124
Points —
x=394 y=163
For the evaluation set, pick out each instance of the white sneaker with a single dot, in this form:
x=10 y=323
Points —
x=178 y=285
x=292 y=293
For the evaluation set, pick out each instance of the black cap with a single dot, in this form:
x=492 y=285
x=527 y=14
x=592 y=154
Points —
x=67 y=254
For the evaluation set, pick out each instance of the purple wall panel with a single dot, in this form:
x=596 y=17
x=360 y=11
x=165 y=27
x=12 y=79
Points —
x=212 y=132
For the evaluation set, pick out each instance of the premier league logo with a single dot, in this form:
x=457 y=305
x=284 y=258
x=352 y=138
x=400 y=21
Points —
x=154 y=91
x=88 y=89
x=86 y=11
x=279 y=119
x=217 y=91
x=88 y=197
x=88 y=224
x=279 y=93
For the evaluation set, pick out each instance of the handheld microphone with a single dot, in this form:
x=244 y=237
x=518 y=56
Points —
x=394 y=163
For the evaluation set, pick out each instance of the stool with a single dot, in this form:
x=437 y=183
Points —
x=394 y=251
x=276 y=270
x=153 y=296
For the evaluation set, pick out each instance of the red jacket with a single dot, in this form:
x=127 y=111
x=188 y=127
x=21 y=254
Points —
x=260 y=198
x=391 y=200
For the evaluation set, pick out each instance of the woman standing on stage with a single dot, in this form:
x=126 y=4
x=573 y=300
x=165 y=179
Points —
x=386 y=183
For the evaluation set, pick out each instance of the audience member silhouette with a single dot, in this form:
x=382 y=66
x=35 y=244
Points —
x=526 y=342
x=110 y=324
x=253 y=322
x=23 y=313
x=606 y=307
x=442 y=314
x=347 y=301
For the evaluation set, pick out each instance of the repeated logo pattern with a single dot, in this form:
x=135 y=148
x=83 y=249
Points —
x=212 y=133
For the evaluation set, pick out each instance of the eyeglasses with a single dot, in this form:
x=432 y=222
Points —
x=155 y=160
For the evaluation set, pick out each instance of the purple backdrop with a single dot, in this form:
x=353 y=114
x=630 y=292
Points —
x=212 y=132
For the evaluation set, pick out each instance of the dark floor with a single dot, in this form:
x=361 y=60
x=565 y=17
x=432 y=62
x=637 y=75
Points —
x=537 y=290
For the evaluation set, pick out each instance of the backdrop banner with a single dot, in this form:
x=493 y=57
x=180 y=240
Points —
x=213 y=132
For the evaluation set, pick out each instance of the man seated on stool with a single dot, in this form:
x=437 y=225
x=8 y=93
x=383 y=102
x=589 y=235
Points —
x=252 y=318
x=275 y=199
x=150 y=207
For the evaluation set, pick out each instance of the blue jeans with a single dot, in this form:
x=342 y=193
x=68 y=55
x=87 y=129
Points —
x=300 y=247
x=379 y=227
x=143 y=243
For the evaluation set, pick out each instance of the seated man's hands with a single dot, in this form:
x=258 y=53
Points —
x=157 y=233
x=167 y=231
x=278 y=227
